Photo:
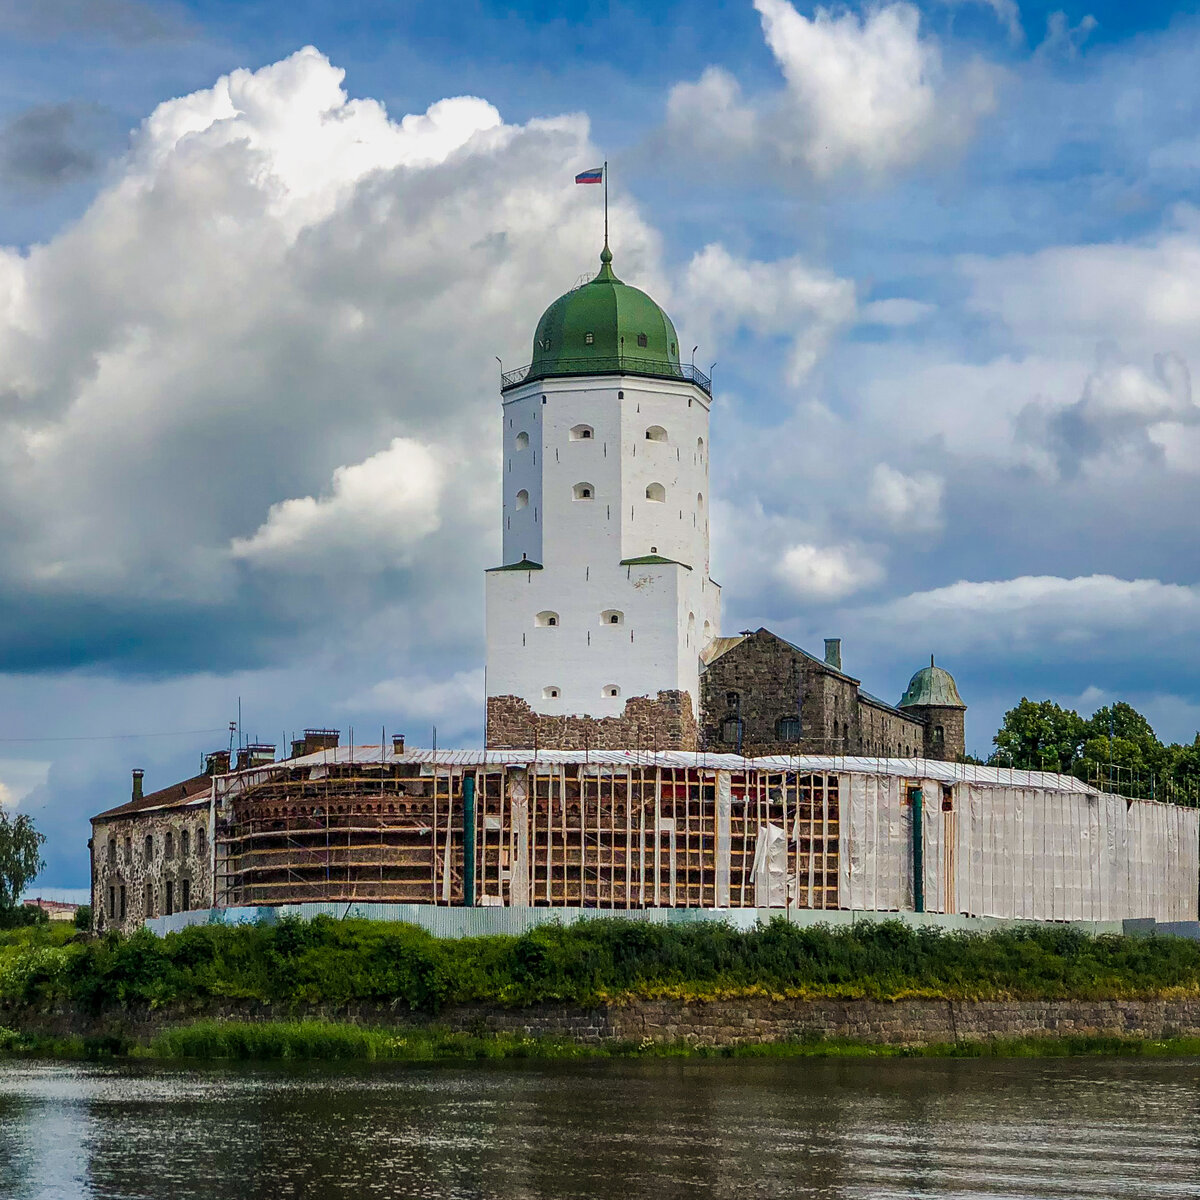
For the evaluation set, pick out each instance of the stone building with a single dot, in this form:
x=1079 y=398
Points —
x=152 y=855
x=761 y=695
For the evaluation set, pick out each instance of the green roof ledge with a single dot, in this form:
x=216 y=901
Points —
x=617 y=318
x=931 y=687
x=654 y=560
x=526 y=564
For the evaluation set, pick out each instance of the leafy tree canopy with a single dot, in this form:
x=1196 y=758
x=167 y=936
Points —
x=1116 y=741
x=20 y=856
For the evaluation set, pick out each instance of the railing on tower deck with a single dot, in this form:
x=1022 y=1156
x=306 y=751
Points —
x=618 y=364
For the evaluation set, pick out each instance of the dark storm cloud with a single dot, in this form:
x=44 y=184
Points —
x=45 y=147
x=126 y=21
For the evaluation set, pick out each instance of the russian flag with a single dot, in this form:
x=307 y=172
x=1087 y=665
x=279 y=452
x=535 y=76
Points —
x=595 y=175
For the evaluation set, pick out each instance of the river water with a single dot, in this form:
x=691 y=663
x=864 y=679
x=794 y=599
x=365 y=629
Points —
x=606 y=1129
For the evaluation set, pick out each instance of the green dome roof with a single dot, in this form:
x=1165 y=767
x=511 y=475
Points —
x=605 y=327
x=932 y=686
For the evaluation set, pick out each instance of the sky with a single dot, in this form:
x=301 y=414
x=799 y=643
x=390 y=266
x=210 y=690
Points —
x=258 y=260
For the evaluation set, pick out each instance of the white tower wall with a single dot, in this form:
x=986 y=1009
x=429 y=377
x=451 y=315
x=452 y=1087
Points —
x=599 y=492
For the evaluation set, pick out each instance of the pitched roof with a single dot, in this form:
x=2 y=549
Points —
x=174 y=796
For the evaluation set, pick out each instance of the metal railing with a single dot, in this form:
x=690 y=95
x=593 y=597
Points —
x=616 y=364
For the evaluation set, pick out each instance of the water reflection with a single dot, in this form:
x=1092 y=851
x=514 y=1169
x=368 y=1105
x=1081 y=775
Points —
x=660 y=1129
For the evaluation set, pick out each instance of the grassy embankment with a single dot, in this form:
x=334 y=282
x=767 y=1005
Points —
x=293 y=966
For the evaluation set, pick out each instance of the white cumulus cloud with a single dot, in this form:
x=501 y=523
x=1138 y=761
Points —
x=907 y=503
x=725 y=294
x=866 y=92
x=821 y=573
x=375 y=512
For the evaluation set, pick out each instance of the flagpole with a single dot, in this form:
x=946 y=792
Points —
x=606 y=201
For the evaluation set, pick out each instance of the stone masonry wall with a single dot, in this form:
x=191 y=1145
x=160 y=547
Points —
x=120 y=863
x=665 y=723
x=712 y=1023
x=770 y=677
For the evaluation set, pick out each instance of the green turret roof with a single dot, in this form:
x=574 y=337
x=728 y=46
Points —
x=605 y=327
x=931 y=687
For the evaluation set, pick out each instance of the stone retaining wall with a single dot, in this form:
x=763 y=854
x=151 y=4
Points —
x=712 y=1023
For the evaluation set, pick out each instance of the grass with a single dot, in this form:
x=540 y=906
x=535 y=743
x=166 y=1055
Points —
x=312 y=1041
x=295 y=965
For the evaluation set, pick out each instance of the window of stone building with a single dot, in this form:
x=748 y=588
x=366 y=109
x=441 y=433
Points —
x=656 y=492
x=149 y=848
x=730 y=728
x=611 y=689
x=787 y=729
x=200 y=840
x=656 y=433
x=581 y=433
x=550 y=693
x=546 y=618
x=169 y=908
x=149 y=900
x=185 y=895
x=112 y=851
x=122 y=893
x=112 y=903
x=522 y=441
x=939 y=735
x=522 y=499
x=583 y=491
x=184 y=839
x=168 y=845
x=612 y=616
x=129 y=849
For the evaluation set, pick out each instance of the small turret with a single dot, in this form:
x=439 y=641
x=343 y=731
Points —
x=932 y=696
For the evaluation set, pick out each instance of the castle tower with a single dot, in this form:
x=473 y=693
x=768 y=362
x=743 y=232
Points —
x=932 y=696
x=598 y=614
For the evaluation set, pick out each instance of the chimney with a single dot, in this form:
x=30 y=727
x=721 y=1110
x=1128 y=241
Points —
x=217 y=763
x=833 y=653
x=137 y=783
x=257 y=754
x=397 y=743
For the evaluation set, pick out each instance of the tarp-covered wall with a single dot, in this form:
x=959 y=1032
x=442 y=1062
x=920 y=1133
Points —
x=1023 y=852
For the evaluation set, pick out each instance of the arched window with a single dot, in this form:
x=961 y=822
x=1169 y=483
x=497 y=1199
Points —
x=522 y=441
x=612 y=616
x=610 y=690
x=700 y=446
x=656 y=433
x=787 y=729
x=546 y=618
x=729 y=730
x=550 y=692
x=112 y=851
x=522 y=499
x=707 y=630
x=691 y=628
x=149 y=848
x=582 y=433
x=643 y=341
x=200 y=839
x=169 y=845
x=699 y=499
x=183 y=843
x=656 y=492
x=939 y=735
x=583 y=491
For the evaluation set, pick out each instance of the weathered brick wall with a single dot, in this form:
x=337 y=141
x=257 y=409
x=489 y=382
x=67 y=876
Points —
x=712 y=1023
x=953 y=745
x=665 y=723
x=119 y=860
x=769 y=676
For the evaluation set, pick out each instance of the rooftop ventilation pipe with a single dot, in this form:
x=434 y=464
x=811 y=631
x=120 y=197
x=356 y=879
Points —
x=397 y=743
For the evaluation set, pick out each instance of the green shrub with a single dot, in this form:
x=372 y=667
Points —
x=296 y=964
x=83 y=917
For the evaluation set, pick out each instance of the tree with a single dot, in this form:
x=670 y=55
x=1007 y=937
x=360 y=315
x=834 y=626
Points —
x=1119 y=739
x=20 y=856
x=1039 y=736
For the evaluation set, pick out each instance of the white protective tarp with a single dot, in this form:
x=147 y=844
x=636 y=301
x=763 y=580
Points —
x=770 y=867
x=724 y=841
x=996 y=850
